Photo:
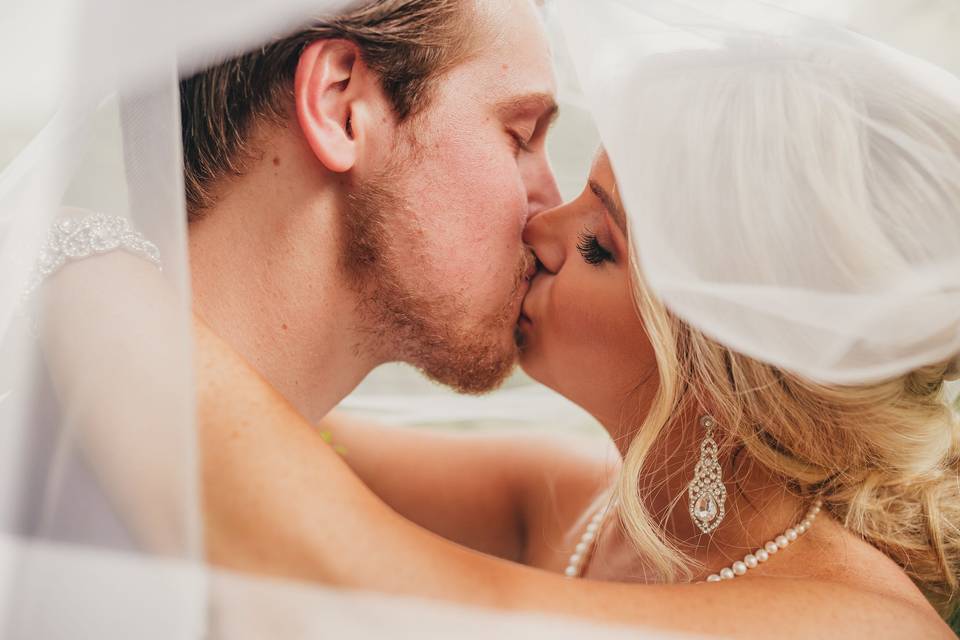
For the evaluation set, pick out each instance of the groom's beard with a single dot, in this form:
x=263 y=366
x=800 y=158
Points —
x=433 y=331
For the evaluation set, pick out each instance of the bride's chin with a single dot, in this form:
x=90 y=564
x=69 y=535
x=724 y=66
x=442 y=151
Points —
x=531 y=357
x=538 y=374
x=527 y=362
x=532 y=366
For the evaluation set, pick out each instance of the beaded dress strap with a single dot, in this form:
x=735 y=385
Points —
x=72 y=239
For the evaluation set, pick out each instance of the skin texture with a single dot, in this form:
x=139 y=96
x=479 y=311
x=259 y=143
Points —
x=256 y=448
x=581 y=332
x=268 y=261
x=533 y=497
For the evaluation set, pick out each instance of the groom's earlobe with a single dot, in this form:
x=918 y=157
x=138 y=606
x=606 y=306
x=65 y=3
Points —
x=325 y=88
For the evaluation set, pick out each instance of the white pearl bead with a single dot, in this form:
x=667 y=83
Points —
x=791 y=534
x=739 y=568
x=781 y=541
x=592 y=527
x=587 y=537
x=751 y=560
x=726 y=573
x=771 y=547
x=575 y=559
x=570 y=572
x=714 y=578
x=581 y=547
x=816 y=509
x=801 y=529
x=807 y=523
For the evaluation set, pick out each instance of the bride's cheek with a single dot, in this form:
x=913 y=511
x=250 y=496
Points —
x=577 y=313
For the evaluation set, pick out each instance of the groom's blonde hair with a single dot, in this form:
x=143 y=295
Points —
x=885 y=457
x=409 y=44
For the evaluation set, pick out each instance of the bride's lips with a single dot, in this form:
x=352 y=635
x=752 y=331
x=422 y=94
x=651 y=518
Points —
x=523 y=311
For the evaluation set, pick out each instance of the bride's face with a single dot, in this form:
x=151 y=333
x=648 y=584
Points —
x=580 y=329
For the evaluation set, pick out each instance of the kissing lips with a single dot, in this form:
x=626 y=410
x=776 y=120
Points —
x=523 y=307
x=531 y=267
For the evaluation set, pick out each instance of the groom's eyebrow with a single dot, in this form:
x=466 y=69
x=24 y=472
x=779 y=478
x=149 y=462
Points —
x=541 y=105
x=610 y=204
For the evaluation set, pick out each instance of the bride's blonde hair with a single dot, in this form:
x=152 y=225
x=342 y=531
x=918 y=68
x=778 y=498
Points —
x=885 y=457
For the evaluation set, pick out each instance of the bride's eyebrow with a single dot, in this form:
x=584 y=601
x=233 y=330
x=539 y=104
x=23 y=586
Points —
x=610 y=204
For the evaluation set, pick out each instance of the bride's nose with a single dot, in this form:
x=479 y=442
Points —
x=543 y=235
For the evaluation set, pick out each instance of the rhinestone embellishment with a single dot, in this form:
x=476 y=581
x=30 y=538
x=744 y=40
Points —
x=706 y=494
x=78 y=238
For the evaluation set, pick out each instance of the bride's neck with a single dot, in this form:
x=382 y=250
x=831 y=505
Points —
x=758 y=508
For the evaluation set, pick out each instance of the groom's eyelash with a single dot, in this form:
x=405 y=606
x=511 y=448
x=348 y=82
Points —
x=592 y=251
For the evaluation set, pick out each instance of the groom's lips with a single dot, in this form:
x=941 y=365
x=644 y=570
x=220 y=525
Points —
x=531 y=270
x=528 y=282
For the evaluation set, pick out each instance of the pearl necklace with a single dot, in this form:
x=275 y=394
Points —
x=752 y=560
x=585 y=546
x=738 y=568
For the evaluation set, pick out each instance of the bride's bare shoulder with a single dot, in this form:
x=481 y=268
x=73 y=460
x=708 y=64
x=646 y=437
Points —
x=856 y=564
x=761 y=607
x=834 y=586
x=833 y=609
x=836 y=576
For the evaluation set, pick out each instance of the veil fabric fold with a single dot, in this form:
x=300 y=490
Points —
x=100 y=527
x=817 y=226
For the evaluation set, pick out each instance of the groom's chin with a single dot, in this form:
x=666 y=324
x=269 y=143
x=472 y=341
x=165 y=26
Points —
x=472 y=367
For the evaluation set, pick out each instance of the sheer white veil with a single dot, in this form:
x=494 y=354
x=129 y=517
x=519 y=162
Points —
x=793 y=188
x=100 y=532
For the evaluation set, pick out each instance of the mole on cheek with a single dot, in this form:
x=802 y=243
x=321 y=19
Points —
x=276 y=161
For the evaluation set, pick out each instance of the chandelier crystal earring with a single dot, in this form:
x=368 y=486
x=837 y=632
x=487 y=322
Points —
x=706 y=494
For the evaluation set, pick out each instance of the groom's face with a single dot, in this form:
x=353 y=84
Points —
x=468 y=174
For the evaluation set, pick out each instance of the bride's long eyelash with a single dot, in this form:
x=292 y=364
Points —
x=592 y=251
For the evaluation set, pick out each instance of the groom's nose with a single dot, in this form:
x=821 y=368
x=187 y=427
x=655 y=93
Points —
x=542 y=190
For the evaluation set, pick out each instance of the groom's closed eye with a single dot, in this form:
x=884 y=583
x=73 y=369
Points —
x=530 y=114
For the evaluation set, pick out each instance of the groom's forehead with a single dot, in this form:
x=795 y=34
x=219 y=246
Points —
x=518 y=37
x=511 y=76
x=517 y=66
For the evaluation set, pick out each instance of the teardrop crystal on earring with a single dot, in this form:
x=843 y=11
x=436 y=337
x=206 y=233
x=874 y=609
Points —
x=706 y=494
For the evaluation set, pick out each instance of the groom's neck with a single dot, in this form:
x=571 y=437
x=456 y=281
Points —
x=264 y=265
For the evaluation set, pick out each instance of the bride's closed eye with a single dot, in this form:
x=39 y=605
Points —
x=592 y=251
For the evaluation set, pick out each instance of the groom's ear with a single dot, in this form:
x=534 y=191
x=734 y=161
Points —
x=329 y=83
